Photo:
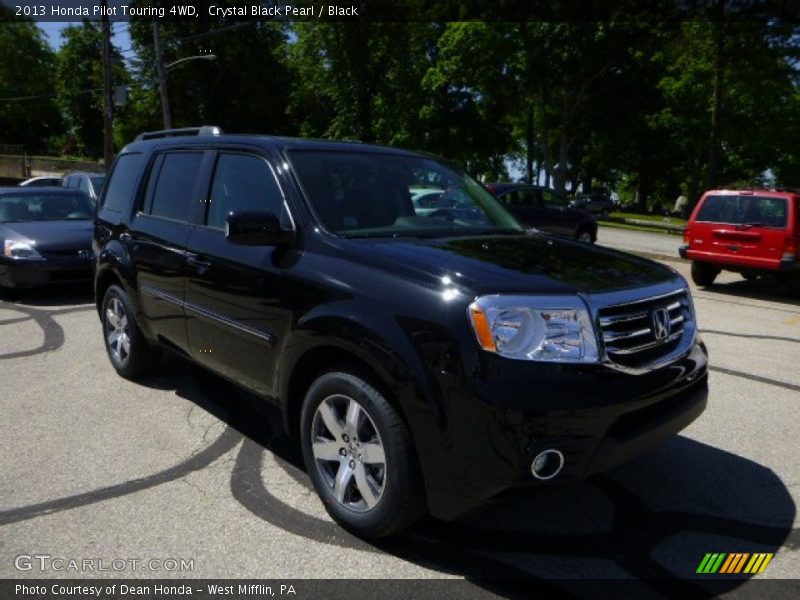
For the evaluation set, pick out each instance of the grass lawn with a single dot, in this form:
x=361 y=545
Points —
x=655 y=219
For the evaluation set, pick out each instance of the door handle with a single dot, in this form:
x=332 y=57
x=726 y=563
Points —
x=200 y=265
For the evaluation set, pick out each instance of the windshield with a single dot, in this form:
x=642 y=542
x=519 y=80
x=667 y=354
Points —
x=744 y=210
x=361 y=194
x=45 y=207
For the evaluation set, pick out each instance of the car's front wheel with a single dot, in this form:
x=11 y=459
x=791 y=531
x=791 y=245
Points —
x=130 y=353
x=703 y=274
x=360 y=456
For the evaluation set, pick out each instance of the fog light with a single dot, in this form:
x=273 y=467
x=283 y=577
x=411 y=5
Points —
x=547 y=464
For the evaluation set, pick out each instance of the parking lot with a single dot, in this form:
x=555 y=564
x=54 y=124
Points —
x=184 y=466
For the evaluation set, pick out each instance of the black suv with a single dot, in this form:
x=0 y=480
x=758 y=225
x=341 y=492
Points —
x=424 y=360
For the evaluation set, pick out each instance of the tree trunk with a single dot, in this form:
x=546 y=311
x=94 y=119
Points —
x=529 y=145
x=564 y=144
x=643 y=189
x=544 y=143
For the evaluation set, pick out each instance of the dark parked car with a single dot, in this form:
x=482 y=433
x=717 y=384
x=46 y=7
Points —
x=89 y=183
x=542 y=208
x=596 y=201
x=46 y=236
x=43 y=181
x=424 y=362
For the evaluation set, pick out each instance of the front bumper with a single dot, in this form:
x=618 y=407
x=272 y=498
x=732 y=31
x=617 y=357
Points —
x=595 y=416
x=33 y=273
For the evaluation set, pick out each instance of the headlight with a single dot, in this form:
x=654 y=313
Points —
x=12 y=249
x=541 y=328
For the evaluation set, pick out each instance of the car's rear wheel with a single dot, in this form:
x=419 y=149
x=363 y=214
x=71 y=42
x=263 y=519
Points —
x=130 y=353
x=703 y=274
x=584 y=235
x=360 y=456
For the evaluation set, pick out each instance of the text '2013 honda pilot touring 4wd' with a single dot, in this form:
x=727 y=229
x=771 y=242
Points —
x=425 y=362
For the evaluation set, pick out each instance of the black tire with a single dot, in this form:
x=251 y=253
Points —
x=793 y=285
x=584 y=234
x=703 y=274
x=141 y=357
x=7 y=293
x=400 y=499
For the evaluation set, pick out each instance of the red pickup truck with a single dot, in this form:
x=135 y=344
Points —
x=752 y=232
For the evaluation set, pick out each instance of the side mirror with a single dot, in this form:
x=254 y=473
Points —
x=256 y=229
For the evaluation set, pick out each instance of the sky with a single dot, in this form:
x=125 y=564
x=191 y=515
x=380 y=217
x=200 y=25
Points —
x=120 y=36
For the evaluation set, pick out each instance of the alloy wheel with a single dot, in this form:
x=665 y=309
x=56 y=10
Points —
x=118 y=335
x=349 y=453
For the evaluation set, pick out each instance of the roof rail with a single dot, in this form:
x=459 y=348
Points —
x=204 y=130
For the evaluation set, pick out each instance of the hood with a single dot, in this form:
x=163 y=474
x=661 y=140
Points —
x=50 y=235
x=517 y=263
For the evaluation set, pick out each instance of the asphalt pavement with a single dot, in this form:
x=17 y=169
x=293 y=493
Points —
x=184 y=466
x=658 y=246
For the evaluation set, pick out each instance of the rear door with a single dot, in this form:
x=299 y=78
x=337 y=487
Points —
x=157 y=240
x=744 y=228
x=559 y=219
x=234 y=293
x=524 y=204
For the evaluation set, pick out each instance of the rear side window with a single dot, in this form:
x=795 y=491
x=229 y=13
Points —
x=242 y=183
x=122 y=185
x=759 y=211
x=174 y=185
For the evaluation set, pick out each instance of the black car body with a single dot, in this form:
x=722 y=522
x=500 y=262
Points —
x=321 y=290
x=544 y=209
x=45 y=236
x=597 y=201
x=89 y=183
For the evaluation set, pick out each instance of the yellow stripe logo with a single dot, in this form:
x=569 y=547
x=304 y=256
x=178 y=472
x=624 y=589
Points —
x=735 y=563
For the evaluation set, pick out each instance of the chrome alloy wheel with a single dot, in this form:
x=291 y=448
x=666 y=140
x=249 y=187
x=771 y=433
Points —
x=118 y=334
x=349 y=452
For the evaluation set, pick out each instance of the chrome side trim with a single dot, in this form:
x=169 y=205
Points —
x=208 y=314
x=217 y=318
x=161 y=295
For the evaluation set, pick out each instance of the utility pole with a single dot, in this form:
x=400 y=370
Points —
x=162 y=76
x=108 y=99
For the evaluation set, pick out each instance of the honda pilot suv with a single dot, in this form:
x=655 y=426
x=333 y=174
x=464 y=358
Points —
x=424 y=360
x=752 y=232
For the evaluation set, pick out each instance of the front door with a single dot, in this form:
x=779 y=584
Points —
x=235 y=314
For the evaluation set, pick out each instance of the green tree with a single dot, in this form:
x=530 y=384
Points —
x=79 y=84
x=28 y=113
x=245 y=89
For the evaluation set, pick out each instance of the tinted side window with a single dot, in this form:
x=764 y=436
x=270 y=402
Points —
x=552 y=200
x=528 y=198
x=83 y=185
x=122 y=185
x=172 y=196
x=242 y=183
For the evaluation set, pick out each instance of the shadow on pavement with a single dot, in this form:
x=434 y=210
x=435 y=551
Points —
x=650 y=521
x=50 y=296
x=769 y=288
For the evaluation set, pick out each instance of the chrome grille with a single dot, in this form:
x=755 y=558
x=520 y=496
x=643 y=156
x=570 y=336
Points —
x=634 y=336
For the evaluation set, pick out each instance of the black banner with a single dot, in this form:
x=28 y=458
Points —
x=397 y=10
x=379 y=589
